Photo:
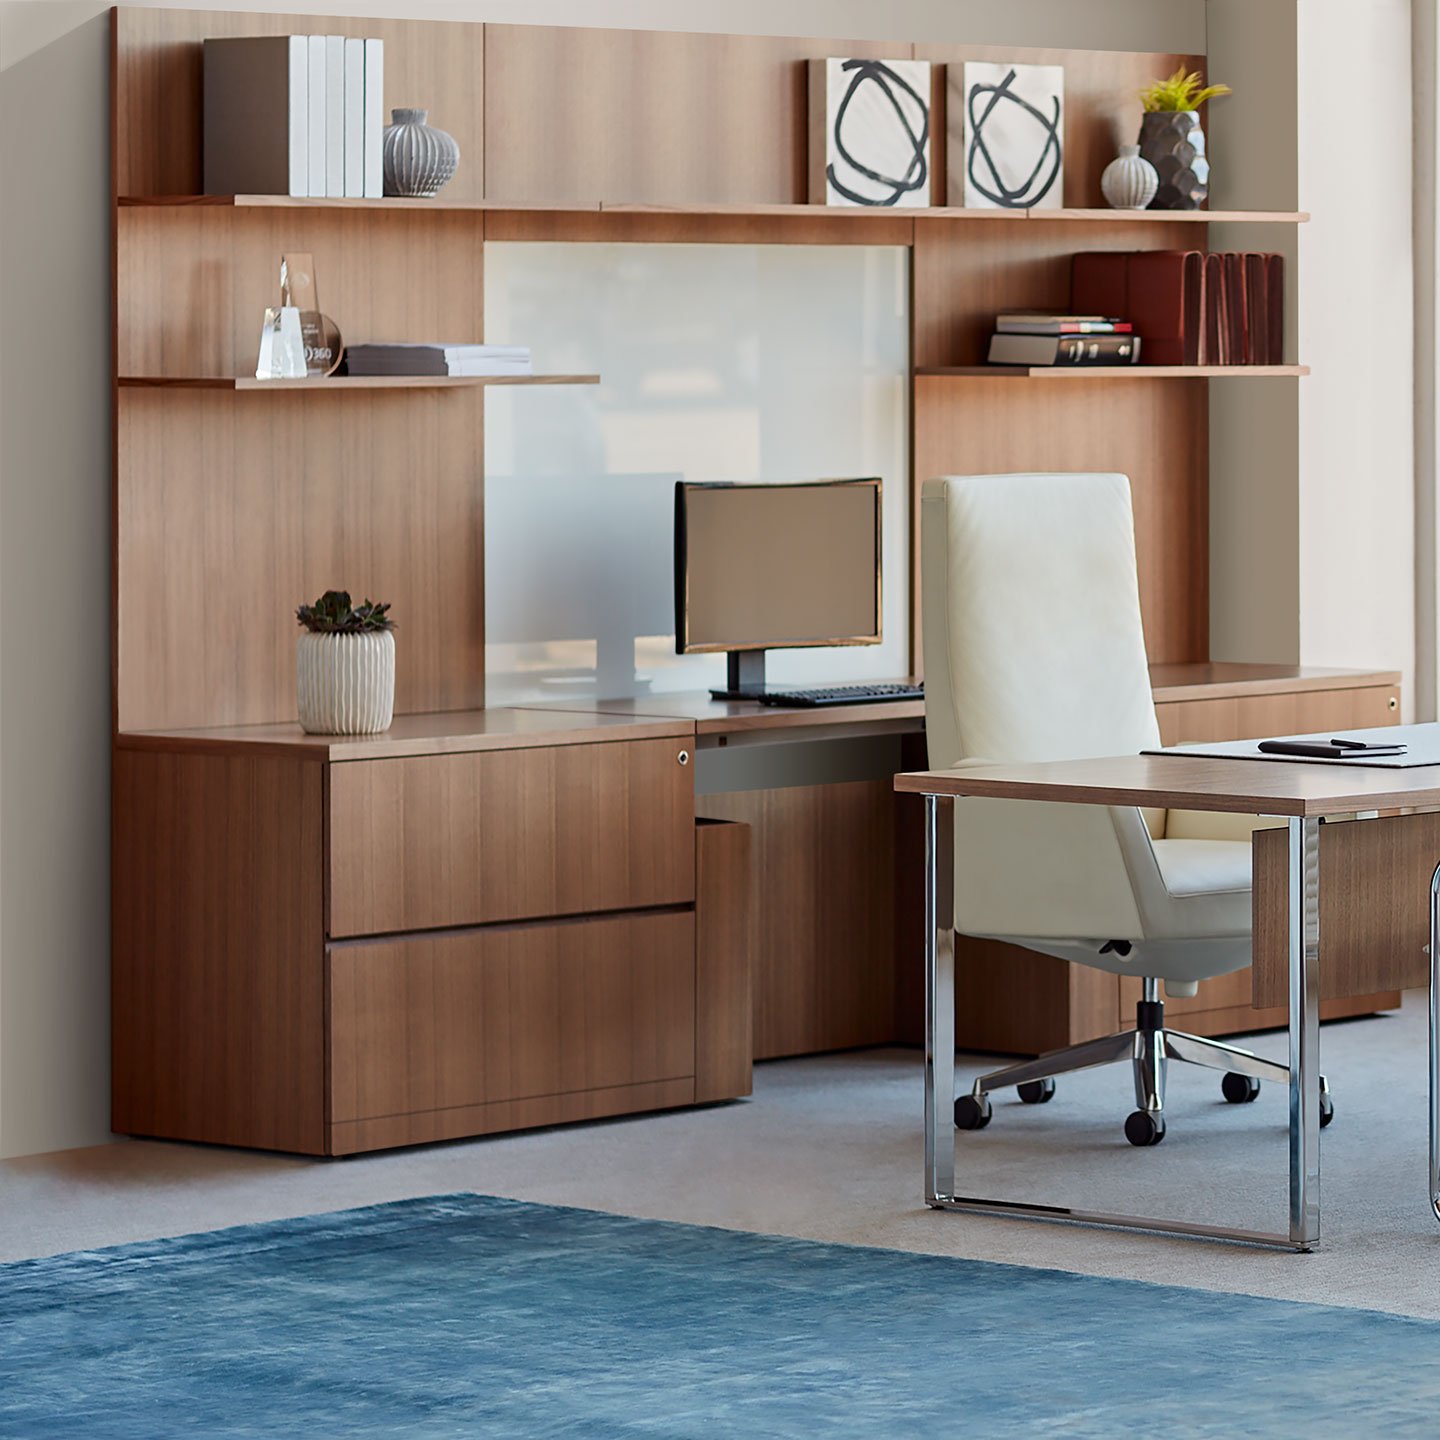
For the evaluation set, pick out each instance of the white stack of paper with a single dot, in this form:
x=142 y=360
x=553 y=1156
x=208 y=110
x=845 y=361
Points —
x=294 y=115
x=438 y=359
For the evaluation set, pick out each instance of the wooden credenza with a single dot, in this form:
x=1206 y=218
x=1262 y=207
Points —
x=470 y=924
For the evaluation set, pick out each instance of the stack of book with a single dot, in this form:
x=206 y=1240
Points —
x=1190 y=307
x=471 y=360
x=294 y=115
x=1039 y=339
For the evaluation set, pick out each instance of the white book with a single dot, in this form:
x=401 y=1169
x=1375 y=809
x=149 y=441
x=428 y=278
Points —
x=317 y=114
x=374 y=118
x=335 y=115
x=354 y=118
x=255 y=115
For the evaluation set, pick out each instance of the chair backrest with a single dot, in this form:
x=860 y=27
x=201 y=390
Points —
x=1034 y=651
x=1031 y=609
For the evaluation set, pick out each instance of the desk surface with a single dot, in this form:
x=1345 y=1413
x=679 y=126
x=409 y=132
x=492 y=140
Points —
x=730 y=717
x=1186 y=782
x=1171 y=683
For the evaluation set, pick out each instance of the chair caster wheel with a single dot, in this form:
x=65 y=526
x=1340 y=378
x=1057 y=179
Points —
x=972 y=1114
x=1327 y=1109
x=1143 y=1128
x=1036 y=1092
x=1239 y=1089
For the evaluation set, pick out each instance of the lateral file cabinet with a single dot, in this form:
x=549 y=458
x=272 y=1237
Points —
x=329 y=955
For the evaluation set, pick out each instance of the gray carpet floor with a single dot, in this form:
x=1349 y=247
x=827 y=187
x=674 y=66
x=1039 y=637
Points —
x=830 y=1148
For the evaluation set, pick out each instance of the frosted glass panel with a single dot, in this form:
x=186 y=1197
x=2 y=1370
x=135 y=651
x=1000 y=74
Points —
x=717 y=362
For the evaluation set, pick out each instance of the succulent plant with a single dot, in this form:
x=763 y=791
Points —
x=1180 y=91
x=333 y=614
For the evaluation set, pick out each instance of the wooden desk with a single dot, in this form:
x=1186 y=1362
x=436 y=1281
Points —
x=1304 y=796
x=837 y=865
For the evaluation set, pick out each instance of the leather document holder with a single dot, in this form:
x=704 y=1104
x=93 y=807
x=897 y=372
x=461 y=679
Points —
x=1160 y=291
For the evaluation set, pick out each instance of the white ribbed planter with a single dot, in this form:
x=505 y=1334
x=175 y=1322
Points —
x=345 y=683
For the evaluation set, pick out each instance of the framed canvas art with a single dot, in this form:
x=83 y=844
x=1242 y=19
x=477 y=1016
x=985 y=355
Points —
x=870 y=133
x=1005 y=136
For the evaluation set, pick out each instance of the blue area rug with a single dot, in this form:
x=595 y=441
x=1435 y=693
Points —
x=470 y=1316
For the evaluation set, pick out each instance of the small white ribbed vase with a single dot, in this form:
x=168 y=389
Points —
x=345 y=683
x=418 y=158
x=1129 y=182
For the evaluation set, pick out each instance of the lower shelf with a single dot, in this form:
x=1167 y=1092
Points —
x=331 y=383
x=1112 y=372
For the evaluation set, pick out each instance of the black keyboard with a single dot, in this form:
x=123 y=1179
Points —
x=842 y=695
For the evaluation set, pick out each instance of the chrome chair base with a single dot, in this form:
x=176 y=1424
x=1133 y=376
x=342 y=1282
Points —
x=1149 y=1047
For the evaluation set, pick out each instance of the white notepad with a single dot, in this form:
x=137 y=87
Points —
x=1422 y=744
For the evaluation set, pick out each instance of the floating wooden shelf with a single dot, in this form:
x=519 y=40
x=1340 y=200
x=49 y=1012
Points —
x=1110 y=372
x=799 y=211
x=345 y=382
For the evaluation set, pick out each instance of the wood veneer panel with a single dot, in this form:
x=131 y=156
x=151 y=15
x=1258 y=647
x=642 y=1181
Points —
x=823 y=877
x=1157 y=434
x=1374 y=906
x=1102 y=110
x=1254 y=717
x=505 y=835
x=193 y=283
x=1222 y=1006
x=157 y=87
x=427 y=1126
x=217 y=958
x=269 y=501
x=655 y=117
x=465 y=1019
x=723 y=961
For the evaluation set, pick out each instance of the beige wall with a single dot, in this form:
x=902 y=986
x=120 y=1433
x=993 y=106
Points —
x=1313 y=538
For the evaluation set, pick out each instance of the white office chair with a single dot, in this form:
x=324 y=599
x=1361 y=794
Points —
x=1034 y=651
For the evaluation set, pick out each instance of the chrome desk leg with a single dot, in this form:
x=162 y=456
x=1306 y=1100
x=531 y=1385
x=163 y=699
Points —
x=1435 y=1042
x=1304 y=929
x=940 y=1053
x=939 y=998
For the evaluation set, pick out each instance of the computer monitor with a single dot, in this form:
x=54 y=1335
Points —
x=775 y=567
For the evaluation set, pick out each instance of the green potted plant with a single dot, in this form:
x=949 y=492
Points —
x=1173 y=142
x=345 y=666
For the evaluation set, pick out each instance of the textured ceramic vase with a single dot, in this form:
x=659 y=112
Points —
x=1173 y=142
x=419 y=159
x=345 y=683
x=1129 y=182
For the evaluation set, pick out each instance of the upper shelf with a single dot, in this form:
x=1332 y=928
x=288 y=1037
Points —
x=801 y=211
x=345 y=382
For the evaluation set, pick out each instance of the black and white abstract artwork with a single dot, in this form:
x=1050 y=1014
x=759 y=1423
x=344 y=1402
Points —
x=870 y=132
x=1005 y=129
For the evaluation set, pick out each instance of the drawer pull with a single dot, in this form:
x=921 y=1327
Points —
x=683 y=757
x=1394 y=703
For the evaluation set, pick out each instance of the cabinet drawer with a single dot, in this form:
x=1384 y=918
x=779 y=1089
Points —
x=443 y=840
x=435 y=1022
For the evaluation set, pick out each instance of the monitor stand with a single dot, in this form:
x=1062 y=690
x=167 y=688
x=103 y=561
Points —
x=744 y=676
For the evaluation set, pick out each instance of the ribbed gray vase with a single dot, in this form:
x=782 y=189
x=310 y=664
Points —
x=1173 y=142
x=419 y=159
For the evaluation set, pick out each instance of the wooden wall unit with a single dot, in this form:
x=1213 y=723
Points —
x=395 y=940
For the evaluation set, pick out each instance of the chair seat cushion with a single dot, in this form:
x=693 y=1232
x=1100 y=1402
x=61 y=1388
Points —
x=1203 y=867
